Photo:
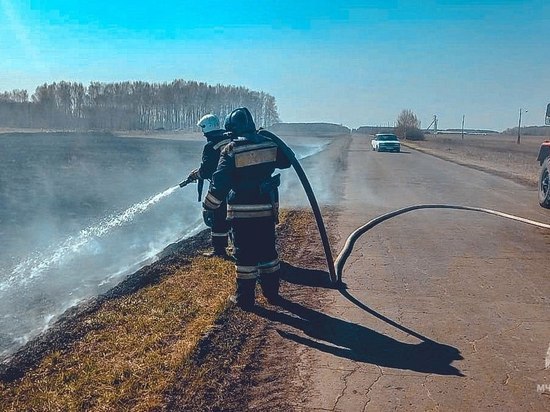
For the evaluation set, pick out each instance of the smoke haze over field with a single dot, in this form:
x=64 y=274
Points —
x=81 y=211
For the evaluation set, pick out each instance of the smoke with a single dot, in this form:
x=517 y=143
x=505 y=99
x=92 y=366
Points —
x=323 y=161
x=33 y=266
x=82 y=212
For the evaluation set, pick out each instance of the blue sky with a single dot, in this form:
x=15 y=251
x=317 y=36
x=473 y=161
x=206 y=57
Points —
x=349 y=62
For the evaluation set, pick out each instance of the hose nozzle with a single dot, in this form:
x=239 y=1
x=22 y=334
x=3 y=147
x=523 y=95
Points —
x=186 y=182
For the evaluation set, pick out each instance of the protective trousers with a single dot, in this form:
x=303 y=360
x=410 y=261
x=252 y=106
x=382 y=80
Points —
x=256 y=257
x=220 y=229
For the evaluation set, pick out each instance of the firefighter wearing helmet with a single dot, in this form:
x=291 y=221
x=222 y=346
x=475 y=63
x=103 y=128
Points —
x=244 y=177
x=216 y=140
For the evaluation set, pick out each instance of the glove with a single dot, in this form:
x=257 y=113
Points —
x=194 y=175
x=208 y=217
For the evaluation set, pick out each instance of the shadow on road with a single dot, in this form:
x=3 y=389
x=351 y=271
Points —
x=355 y=342
x=383 y=318
x=306 y=277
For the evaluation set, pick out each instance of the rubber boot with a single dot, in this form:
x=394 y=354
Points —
x=270 y=287
x=244 y=295
x=218 y=253
x=219 y=245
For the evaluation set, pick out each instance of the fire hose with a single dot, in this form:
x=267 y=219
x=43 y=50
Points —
x=311 y=197
x=356 y=234
x=336 y=268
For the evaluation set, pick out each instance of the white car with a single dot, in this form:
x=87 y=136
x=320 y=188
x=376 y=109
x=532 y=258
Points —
x=386 y=142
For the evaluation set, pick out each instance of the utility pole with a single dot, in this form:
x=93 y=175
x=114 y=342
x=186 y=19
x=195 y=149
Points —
x=519 y=125
x=462 y=127
x=434 y=123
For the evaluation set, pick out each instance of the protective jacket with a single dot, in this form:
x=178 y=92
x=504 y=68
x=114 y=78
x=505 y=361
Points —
x=216 y=141
x=244 y=177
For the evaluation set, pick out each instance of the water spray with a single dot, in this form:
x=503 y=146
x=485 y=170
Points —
x=34 y=266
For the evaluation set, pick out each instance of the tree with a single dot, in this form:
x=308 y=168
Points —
x=130 y=105
x=408 y=126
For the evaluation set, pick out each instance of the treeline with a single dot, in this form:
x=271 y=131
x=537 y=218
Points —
x=130 y=105
x=529 y=131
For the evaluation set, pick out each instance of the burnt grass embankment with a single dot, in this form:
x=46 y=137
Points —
x=166 y=338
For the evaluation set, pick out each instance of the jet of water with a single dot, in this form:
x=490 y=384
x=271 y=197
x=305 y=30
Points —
x=35 y=265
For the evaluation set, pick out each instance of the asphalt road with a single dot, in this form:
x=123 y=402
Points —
x=444 y=310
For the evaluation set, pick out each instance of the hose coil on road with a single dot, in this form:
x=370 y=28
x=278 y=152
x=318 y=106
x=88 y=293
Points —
x=336 y=268
x=357 y=233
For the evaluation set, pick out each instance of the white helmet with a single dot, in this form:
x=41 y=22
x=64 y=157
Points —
x=209 y=122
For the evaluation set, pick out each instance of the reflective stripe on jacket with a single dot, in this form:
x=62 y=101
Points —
x=247 y=211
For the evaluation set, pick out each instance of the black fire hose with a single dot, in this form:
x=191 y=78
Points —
x=350 y=241
x=311 y=197
x=336 y=268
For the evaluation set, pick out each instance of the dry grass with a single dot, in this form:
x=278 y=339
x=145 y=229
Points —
x=173 y=345
x=137 y=344
x=499 y=154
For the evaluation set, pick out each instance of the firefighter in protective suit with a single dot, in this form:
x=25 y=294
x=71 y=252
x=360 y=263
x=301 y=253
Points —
x=244 y=176
x=217 y=139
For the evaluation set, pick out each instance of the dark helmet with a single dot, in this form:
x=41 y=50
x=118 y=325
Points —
x=240 y=121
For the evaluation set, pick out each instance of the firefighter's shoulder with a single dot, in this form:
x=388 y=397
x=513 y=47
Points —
x=221 y=142
x=230 y=146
